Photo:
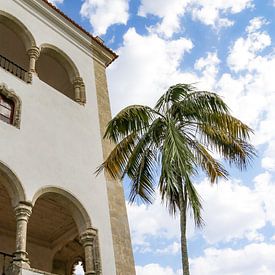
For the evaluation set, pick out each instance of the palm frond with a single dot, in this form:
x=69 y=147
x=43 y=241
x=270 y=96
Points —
x=235 y=150
x=174 y=94
x=116 y=162
x=132 y=119
x=142 y=177
x=194 y=201
x=209 y=165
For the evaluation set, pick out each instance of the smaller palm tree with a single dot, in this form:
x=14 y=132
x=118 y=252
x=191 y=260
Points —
x=176 y=137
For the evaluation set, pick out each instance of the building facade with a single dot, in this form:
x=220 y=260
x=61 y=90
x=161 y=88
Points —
x=54 y=106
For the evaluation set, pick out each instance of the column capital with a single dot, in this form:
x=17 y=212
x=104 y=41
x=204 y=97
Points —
x=23 y=211
x=88 y=236
x=78 y=81
x=34 y=52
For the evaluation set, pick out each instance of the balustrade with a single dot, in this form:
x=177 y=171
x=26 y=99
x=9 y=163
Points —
x=5 y=260
x=13 y=68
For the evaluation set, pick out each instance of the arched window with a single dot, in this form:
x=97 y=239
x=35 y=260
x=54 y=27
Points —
x=16 y=40
x=10 y=106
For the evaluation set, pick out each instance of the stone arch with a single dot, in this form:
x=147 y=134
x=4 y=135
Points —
x=17 y=26
x=12 y=184
x=58 y=70
x=80 y=215
x=62 y=57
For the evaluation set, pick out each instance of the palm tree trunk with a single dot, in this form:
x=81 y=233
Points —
x=182 y=208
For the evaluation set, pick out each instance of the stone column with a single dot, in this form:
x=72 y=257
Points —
x=87 y=239
x=78 y=86
x=33 y=53
x=22 y=212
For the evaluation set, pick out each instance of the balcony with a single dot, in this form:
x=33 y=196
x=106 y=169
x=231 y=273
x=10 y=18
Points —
x=13 y=68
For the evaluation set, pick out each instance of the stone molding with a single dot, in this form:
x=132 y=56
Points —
x=10 y=94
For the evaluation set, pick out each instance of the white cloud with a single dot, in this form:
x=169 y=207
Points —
x=231 y=211
x=55 y=2
x=151 y=221
x=265 y=189
x=211 y=13
x=208 y=67
x=156 y=269
x=256 y=24
x=147 y=66
x=104 y=13
x=170 y=13
x=172 y=249
x=243 y=55
x=253 y=259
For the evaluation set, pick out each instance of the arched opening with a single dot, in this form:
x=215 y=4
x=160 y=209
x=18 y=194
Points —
x=56 y=69
x=54 y=227
x=7 y=229
x=16 y=40
x=11 y=192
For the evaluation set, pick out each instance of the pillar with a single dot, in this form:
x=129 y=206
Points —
x=87 y=239
x=79 y=90
x=33 y=53
x=22 y=212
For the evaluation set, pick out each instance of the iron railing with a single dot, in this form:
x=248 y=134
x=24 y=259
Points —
x=5 y=260
x=13 y=68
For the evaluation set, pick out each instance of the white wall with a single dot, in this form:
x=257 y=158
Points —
x=58 y=143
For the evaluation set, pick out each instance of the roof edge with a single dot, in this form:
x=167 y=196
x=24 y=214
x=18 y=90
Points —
x=113 y=56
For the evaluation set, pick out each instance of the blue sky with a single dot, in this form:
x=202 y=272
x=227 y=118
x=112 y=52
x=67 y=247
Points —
x=223 y=46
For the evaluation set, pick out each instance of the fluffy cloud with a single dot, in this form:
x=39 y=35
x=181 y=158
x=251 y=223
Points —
x=252 y=58
x=56 y=1
x=171 y=249
x=151 y=221
x=104 y=13
x=170 y=13
x=243 y=55
x=265 y=188
x=253 y=259
x=231 y=211
x=211 y=13
x=208 y=68
x=156 y=269
x=146 y=67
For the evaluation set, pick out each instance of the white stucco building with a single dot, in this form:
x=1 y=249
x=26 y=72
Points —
x=54 y=106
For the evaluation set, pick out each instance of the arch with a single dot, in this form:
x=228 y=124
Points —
x=79 y=214
x=62 y=57
x=57 y=69
x=12 y=184
x=18 y=27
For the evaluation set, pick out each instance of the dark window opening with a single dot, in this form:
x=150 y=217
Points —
x=6 y=109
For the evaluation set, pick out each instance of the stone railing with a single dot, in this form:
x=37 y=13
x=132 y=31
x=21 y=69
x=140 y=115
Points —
x=5 y=260
x=13 y=68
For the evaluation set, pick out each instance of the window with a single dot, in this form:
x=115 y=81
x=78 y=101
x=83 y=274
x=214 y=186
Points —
x=6 y=109
x=10 y=106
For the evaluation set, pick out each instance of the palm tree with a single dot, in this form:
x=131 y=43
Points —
x=167 y=145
